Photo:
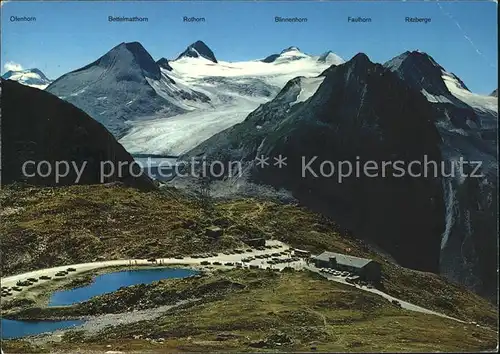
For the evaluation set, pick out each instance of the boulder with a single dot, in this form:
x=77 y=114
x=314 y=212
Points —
x=257 y=344
x=214 y=232
x=226 y=336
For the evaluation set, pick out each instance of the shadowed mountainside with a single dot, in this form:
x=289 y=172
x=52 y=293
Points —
x=37 y=126
x=360 y=110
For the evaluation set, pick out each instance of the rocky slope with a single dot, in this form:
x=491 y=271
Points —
x=423 y=73
x=38 y=126
x=163 y=63
x=468 y=126
x=356 y=111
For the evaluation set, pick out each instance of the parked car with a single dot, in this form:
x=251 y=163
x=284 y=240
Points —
x=229 y=264
x=396 y=302
x=345 y=274
x=33 y=280
x=217 y=263
x=205 y=263
x=349 y=280
x=71 y=269
x=16 y=288
x=24 y=283
x=45 y=277
x=179 y=257
x=61 y=274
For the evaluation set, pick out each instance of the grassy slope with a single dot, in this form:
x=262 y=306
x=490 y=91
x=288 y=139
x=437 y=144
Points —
x=303 y=229
x=53 y=226
x=299 y=310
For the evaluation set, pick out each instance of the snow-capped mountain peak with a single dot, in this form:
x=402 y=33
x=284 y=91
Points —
x=29 y=77
x=330 y=58
x=292 y=52
x=286 y=55
x=290 y=49
x=413 y=58
x=198 y=50
x=133 y=53
x=421 y=71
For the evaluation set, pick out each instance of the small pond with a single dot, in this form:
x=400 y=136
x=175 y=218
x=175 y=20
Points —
x=107 y=283
x=16 y=329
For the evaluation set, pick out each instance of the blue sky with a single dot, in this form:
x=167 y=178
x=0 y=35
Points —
x=462 y=36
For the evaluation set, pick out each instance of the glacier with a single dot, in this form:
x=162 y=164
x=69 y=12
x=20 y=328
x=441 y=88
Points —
x=235 y=89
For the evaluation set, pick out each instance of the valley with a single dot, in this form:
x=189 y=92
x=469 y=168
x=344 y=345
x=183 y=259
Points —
x=187 y=221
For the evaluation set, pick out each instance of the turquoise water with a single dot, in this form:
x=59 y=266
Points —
x=102 y=284
x=17 y=329
x=110 y=282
